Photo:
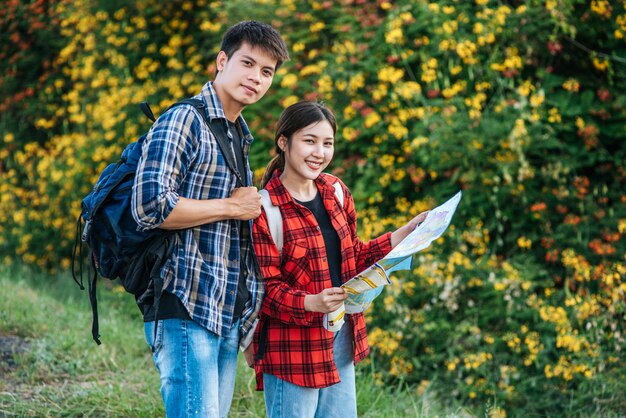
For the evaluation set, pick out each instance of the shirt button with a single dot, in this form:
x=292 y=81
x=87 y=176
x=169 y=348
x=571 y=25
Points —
x=317 y=227
x=324 y=259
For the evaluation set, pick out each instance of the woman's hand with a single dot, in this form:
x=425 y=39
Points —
x=328 y=300
x=249 y=354
x=403 y=231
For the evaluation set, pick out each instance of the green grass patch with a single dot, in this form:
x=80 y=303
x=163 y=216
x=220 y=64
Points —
x=51 y=366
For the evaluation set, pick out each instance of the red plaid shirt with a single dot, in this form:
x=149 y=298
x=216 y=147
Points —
x=297 y=347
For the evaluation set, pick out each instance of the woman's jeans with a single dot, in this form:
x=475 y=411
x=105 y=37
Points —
x=286 y=400
x=197 y=367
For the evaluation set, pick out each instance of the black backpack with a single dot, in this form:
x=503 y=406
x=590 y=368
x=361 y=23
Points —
x=116 y=247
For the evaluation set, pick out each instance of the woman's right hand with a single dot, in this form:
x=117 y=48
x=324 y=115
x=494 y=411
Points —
x=327 y=301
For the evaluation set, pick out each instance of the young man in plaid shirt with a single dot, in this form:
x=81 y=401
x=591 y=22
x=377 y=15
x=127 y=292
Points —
x=304 y=369
x=212 y=293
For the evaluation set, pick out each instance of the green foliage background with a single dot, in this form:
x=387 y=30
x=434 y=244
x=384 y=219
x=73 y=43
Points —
x=519 y=104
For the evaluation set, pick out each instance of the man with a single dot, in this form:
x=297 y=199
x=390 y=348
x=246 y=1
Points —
x=212 y=292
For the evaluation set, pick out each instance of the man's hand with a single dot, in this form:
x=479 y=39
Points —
x=246 y=203
x=328 y=300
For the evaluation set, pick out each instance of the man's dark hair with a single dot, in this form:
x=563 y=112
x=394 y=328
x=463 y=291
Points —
x=257 y=34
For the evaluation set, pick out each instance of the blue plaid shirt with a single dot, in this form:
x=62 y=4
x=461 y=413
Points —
x=182 y=158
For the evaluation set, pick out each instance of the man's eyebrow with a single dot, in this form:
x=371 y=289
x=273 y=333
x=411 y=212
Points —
x=249 y=58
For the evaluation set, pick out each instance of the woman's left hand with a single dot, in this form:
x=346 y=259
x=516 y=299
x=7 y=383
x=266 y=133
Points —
x=403 y=231
x=249 y=354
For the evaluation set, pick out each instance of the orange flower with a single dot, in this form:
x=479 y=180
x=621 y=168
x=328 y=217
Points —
x=601 y=248
x=552 y=256
x=538 y=207
x=572 y=219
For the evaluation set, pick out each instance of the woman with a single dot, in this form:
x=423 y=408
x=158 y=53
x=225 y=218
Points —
x=305 y=370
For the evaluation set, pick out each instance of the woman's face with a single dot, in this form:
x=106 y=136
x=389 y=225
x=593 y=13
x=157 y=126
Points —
x=309 y=152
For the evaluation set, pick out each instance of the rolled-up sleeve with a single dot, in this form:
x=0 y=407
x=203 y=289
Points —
x=169 y=150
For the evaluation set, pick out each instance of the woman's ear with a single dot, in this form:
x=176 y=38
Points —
x=282 y=142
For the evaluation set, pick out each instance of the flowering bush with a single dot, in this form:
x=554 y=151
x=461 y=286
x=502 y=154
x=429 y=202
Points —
x=519 y=104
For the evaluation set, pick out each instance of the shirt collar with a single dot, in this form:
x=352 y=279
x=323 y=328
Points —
x=216 y=110
x=280 y=196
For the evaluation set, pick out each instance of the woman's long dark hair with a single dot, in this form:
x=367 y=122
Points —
x=296 y=117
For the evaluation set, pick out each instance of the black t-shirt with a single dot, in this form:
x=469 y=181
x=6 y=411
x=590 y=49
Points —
x=170 y=307
x=331 y=239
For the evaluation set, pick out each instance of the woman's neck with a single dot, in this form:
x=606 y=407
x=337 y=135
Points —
x=304 y=191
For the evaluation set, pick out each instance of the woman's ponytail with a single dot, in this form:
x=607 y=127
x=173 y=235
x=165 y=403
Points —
x=278 y=162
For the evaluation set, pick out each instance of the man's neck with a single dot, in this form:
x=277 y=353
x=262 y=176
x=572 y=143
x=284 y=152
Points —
x=232 y=109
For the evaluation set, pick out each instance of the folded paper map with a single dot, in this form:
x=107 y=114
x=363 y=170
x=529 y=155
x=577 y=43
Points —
x=367 y=285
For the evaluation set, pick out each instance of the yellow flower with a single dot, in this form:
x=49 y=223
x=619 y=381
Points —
x=372 y=119
x=288 y=101
x=599 y=64
x=571 y=85
x=390 y=74
x=8 y=138
x=409 y=90
x=601 y=7
x=394 y=36
x=450 y=27
x=317 y=26
x=298 y=47
x=349 y=134
x=289 y=80
x=433 y=7
x=554 y=116
x=537 y=99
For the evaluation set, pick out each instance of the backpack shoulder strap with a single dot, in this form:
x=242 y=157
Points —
x=222 y=139
x=339 y=193
x=274 y=219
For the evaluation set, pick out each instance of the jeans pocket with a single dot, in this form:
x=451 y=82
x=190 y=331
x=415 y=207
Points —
x=155 y=342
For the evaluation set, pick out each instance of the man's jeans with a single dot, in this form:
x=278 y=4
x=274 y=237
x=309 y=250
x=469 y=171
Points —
x=284 y=399
x=197 y=367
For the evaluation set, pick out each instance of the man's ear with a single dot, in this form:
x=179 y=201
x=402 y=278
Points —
x=220 y=61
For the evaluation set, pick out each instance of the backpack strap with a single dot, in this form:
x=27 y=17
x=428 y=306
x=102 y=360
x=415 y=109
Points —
x=339 y=193
x=275 y=219
x=215 y=126
x=145 y=108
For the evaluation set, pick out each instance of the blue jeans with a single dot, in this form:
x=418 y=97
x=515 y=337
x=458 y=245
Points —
x=197 y=367
x=286 y=400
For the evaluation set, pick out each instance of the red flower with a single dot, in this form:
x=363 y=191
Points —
x=554 y=47
x=603 y=94
x=432 y=93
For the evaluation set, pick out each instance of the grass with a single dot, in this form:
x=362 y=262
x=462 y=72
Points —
x=57 y=370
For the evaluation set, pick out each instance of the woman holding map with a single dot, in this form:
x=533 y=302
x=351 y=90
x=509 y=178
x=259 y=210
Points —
x=304 y=369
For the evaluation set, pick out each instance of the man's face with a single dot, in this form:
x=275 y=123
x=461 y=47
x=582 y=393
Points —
x=245 y=77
